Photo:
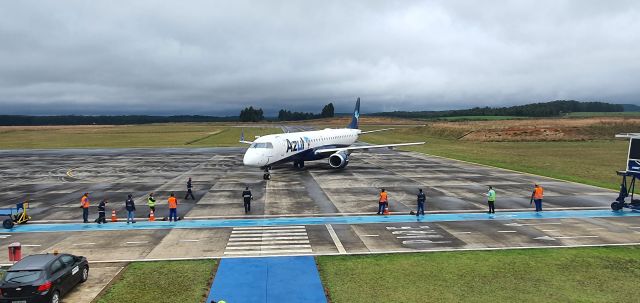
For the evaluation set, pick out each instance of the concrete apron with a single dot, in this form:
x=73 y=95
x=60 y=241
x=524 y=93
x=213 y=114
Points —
x=260 y=280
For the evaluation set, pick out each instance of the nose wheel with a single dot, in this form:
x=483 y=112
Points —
x=267 y=175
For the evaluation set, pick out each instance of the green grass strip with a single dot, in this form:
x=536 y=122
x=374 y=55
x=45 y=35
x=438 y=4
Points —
x=159 y=282
x=600 y=274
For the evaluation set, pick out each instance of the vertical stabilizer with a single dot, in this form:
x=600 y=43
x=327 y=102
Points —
x=356 y=116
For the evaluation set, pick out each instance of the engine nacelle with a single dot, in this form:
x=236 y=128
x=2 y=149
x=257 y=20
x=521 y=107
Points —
x=339 y=160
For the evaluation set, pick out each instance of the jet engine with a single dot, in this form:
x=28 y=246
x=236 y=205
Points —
x=339 y=159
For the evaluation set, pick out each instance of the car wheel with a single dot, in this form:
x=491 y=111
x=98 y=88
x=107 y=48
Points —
x=85 y=275
x=55 y=298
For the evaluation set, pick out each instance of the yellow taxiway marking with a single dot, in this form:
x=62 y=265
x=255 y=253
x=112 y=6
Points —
x=70 y=173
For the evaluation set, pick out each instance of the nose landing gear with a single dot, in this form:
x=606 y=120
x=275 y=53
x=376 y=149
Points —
x=267 y=174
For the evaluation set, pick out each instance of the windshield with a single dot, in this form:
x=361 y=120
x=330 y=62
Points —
x=25 y=276
x=262 y=145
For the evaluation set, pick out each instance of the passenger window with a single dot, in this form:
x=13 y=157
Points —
x=67 y=260
x=56 y=267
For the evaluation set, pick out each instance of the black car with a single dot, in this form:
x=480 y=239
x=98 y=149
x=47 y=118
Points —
x=43 y=278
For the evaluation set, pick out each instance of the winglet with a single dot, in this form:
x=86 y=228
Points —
x=356 y=116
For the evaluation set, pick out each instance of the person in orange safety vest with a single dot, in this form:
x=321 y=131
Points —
x=536 y=196
x=173 y=208
x=84 y=204
x=382 y=202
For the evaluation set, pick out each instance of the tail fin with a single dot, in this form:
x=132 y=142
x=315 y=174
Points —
x=356 y=116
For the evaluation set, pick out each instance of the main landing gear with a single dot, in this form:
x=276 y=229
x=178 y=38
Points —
x=298 y=164
x=267 y=175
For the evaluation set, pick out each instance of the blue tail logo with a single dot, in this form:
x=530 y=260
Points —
x=356 y=116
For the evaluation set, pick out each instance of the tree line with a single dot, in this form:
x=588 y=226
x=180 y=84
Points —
x=328 y=111
x=545 y=109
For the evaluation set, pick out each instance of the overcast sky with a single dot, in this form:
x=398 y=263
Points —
x=215 y=57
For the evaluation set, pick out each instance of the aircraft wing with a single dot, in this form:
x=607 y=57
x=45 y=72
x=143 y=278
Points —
x=364 y=147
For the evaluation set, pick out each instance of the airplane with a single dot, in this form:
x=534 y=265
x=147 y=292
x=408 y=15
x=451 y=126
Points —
x=298 y=147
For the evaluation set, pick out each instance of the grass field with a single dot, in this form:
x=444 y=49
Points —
x=148 y=135
x=604 y=114
x=589 y=162
x=477 y=118
x=159 y=282
x=603 y=274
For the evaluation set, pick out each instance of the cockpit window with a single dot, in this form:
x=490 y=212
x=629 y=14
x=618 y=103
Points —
x=262 y=145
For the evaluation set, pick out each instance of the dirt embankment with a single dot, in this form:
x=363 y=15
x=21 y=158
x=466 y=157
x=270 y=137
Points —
x=541 y=129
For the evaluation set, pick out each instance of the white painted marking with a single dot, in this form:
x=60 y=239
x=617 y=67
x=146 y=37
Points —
x=286 y=251
x=597 y=228
x=369 y=235
x=424 y=242
x=268 y=238
x=507 y=231
x=411 y=232
x=406 y=227
x=31 y=245
x=266 y=227
x=186 y=240
x=549 y=230
x=137 y=242
x=81 y=244
x=531 y=224
x=271 y=235
x=563 y=237
x=462 y=232
x=269 y=242
x=335 y=239
x=259 y=247
x=420 y=236
x=267 y=231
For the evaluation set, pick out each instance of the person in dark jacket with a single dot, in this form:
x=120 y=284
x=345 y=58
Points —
x=131 y=209
x=189 y=192
x=247 y=196
x=102 y=208
x=421 y=199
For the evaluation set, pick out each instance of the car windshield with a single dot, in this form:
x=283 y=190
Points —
x=262 y=145
x=23 y=276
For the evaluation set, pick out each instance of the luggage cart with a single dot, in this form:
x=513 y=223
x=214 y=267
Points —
x=17 y=215
x=629 y=176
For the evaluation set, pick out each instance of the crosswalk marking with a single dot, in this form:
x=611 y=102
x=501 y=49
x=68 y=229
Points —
x=268 y=241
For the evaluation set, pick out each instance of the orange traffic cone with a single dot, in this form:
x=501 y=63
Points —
x=386 y=210
x=152 y=216
x=113 y=216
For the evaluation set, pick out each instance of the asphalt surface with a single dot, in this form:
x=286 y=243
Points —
x=54 y=181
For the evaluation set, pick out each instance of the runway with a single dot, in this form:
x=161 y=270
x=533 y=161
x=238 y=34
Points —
x=315 y=211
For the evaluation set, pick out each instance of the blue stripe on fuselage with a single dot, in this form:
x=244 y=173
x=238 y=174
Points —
x=308 y=155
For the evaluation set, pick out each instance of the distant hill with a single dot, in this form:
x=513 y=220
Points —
x=8 y=120
x=545 y=109
x=631 y=107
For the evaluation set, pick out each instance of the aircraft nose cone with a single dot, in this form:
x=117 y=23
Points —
x=250 y=159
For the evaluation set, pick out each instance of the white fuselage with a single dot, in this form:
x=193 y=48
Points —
x=270 y=149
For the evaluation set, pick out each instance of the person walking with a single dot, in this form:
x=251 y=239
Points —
x=382 y=202
x=421 y=199
x=151 y=202
x=247 y=196
x=189 y=192
x=173 y=208
x=102 y=208
x=536 y=196
x=491 y=200
x=84 y=204
x=131 y=209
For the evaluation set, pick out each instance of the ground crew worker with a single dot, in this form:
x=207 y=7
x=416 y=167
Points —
x=491 y=199
x=173 y=208
x=101 y=212
x=382 y=202
x=536 y=196
x=131 y=209
x=421 y=199
x=189 y=192
x=151 y=202
x=84 y=204
x=247 y=196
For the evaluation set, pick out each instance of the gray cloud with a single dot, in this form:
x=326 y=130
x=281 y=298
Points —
x=214 y=57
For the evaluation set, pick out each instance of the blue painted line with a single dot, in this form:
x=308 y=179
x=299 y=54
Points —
x=195 y=224
x=275 y=279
